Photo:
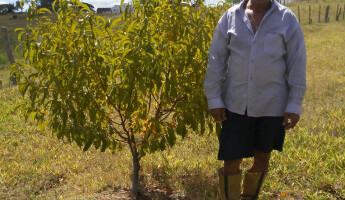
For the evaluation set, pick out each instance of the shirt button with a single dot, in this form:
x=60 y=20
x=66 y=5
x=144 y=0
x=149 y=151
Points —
x=251 y=78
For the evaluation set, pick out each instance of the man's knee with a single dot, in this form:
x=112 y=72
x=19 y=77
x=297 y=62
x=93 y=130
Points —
x=261 y=160
x=262 y=156
x=232 y=166
x=233 y=162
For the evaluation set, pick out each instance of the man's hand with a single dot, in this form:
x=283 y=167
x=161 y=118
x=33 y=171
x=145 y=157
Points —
x=290 y=120
x=219 y=114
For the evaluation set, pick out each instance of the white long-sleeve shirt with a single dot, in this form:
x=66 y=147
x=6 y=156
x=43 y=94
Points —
x=265 y=72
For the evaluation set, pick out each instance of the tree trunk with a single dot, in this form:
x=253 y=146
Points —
x=135 y=175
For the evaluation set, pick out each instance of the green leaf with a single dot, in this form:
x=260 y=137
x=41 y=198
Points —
x=53 y=5
x=171 y=138
x=181 y=129
x=88 y=143
x=218 y=127
x=202 y=127
x=162 y=144
x=43 y=11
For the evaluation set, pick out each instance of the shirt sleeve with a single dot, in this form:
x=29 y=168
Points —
x=296 y=67
x=217 y=64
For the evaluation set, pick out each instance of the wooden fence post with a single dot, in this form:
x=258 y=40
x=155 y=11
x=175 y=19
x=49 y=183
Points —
x=338 y=13
x=327 y=13
x=319 y=14
x=310 y=20
x=0 y=85
x=9 y=52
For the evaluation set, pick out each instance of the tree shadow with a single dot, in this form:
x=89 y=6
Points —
x=117 y=193
x=164 y=184
x=194 y=183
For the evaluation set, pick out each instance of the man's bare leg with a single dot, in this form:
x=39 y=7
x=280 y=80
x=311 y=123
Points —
x=261 y=162
x=254 y=177
x=230 y=179
x=232 y=166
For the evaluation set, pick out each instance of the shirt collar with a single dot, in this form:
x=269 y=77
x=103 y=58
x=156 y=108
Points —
x=241 y=12
x=274 y=5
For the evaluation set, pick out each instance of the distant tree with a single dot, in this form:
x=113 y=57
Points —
x=10 y=8
x=90 y=6
x=3 y=8
x=19 y=6
x=232 y=1
x=49 y=4
x=45 y=4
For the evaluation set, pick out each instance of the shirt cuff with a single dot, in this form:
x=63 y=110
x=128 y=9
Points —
x=294 y=108
x=215 y=103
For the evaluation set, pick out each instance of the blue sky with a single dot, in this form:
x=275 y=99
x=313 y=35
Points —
x=107 y=3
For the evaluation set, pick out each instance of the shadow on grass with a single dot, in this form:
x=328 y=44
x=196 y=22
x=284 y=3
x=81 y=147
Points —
x=110 y=192
x=191 y=184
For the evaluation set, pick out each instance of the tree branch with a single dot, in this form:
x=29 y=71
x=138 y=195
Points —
x=169 y=111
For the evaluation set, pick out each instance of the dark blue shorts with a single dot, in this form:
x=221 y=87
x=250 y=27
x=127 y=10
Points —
x=241 y=135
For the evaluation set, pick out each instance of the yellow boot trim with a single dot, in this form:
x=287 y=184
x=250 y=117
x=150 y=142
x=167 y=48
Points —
x=229 y=185
x=252 y=184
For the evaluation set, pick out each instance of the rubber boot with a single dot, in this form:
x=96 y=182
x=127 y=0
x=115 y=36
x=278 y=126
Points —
x=252 y=184
x=230 y=185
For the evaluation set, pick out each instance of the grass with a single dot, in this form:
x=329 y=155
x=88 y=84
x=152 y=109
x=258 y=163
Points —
x=4 y=77
x=35 y=165
x=13 y=21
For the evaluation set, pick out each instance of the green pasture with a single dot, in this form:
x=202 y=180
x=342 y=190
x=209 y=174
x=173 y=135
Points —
x=36 y=165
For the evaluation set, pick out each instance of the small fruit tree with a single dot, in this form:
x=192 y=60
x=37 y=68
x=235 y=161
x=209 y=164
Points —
x=135 y=80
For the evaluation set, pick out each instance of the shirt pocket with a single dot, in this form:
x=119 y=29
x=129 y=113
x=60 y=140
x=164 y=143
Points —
x=274 y=45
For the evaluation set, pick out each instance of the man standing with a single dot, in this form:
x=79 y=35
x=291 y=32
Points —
x=255 y=84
